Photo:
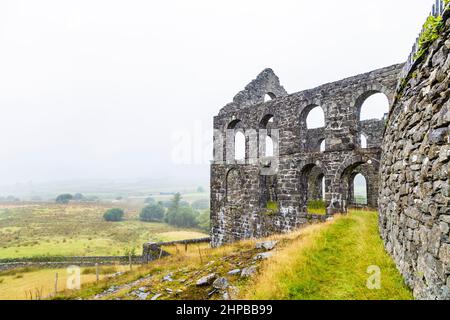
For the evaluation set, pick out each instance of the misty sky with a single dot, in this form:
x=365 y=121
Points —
x=97 y=88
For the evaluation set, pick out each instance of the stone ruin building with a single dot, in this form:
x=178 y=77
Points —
x=241 y=189
x=405 y=162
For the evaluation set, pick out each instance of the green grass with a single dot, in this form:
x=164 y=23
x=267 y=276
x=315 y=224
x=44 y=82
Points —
x=331 y=262
x=317 y=207
x=77 y=229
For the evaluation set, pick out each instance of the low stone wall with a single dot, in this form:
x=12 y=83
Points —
x=153 y=250
x=62 y=262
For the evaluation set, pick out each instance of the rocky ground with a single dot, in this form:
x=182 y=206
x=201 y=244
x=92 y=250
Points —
x=219 y=278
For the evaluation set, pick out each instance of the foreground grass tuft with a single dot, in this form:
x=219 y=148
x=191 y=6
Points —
x=331 y=261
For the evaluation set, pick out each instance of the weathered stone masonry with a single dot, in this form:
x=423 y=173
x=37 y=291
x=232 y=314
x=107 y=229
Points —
x=240 y=192
x=414 y=188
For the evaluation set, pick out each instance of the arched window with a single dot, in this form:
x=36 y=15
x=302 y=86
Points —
x=315 y=118
x=360 y=189
x=269 y=96
x=239 y=146
x=322 y=146
x=363 y=141
x=269 y=147
x=374 y=107
x=267 y=143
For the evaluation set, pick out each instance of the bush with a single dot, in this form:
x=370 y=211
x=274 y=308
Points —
x=114 y=214
x=152 y=213
x=203 y=220
x=431 y=31
x=78 y=197
x=64 y=198
x=150 y=200
x=182 y=217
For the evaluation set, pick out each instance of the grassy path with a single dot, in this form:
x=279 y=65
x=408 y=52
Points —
x=331 y=262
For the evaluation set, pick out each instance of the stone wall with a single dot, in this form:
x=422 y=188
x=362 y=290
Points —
x=62 y=262
x=154 y=250
x=414 y=191
x=241 y=190
x=151 y=251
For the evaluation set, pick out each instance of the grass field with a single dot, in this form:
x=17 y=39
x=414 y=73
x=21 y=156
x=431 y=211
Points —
x=27 y=284
x=77 y=229
x=332 y=261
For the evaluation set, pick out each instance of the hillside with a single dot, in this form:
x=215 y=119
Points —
x=47 y=229
x=326 y=261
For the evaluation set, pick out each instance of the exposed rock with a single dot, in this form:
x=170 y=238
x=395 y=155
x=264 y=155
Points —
x=220 y=283
x=168 y=277
x=248 y=272
x=438 y=136
x=268 y=245
x=142 y=295
x=206 y=280
x=263 y=256
x=156 y=296
x=234 y=272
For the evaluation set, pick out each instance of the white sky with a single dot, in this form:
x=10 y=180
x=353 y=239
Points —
x=95 y=88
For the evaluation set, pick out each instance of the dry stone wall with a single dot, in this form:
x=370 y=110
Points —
x=414 y=192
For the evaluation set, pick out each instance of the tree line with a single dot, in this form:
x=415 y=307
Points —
x=176 y=212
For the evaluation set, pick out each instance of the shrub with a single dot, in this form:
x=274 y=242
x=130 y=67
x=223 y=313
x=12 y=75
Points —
x=431 y=31
x=203 y=220
x=152 y=213
x=64 y=198
x=78 y=197
x=114 y=214
x=150 y=200
x=182 y=217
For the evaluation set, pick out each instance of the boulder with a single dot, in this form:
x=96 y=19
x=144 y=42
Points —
x=206 y=280
x=234 y=272
x=248 y=272
x=268 y=245
x=156 y=296
x=220 y=283
x=263 y=256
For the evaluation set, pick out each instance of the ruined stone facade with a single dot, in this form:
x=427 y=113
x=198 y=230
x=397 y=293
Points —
x=414 y=191
x=265 y=194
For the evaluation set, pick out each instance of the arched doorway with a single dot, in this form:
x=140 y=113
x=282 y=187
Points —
x=312 y=189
